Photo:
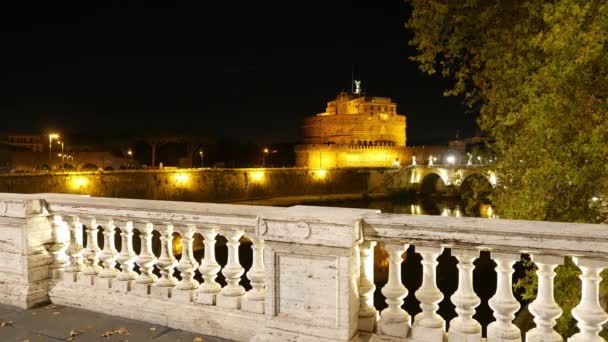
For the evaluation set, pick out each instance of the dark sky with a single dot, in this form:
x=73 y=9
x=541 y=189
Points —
x=236 y=69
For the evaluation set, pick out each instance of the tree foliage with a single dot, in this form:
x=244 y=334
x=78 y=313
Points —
x=536 y=71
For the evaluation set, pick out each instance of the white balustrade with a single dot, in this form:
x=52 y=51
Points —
x=75 y=249
x=254 y=298
x=367 y=312
x=428 y=325
x=187 y=266
x=311 y=277
x=503 y=302
x=209 y=289
x=544 y=308
x=589 y=313
x=394 y=321
x=230 y=296
x=127 y=257
x=464 y=328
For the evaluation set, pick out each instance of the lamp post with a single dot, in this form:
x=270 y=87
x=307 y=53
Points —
x=51 y=137
x=200 y=153
x=266 y=151
x=130 y=153
x=61 y=155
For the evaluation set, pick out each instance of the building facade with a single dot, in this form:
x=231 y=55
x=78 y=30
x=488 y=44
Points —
x=354 y=131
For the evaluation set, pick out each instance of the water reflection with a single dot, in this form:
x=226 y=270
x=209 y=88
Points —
x=441 y=206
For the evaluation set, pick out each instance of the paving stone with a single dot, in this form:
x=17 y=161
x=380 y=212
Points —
x=59 y=323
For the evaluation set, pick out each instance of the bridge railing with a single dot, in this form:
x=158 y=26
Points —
x=506 y=242
x=299 y=273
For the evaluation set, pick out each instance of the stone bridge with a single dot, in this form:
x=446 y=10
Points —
x=429 y=179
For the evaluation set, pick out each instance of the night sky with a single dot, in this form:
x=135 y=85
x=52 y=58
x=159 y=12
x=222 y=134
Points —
x=246 y=70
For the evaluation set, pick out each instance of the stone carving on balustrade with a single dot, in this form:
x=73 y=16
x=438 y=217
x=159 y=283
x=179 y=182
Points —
x=544 y=308
x=253 y=301
x=503 y=302
x=146 y=261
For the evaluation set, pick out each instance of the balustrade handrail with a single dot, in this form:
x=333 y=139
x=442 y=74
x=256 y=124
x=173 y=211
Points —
x=519 y=236
x=228 y=216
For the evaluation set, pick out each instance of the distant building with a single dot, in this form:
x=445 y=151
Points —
x=33 y=142
x=354 y=131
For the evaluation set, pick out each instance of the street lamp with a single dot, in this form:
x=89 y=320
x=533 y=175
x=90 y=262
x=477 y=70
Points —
x=130 y=153
x=200 y=153
x=51 y=137
x=266 y=151
x=451 y=159
x=61 y=155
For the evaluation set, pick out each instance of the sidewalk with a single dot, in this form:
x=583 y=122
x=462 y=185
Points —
x=59 y=323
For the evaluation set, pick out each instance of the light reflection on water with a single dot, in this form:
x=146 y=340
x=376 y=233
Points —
x=419 y=206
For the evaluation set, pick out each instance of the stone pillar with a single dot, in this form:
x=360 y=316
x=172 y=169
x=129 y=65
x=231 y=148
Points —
x=126 y=258
x=75 y=249
x=25 y=230
x=428 y=325
x=464 y=328
x=312 y=274
x=166 y=264
x=230 y=296
x=187 y=266
x=57 y=248
x=254 y=299
x=503 y=302
x=146 y=261
x=544 y=308
x=368 y=315
x=209 y=289
x=394 y=321
x=589 y=312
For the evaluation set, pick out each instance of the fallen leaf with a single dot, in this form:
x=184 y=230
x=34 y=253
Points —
x=198 y=339
x=121 y=331
x=153 y=329
x=5 y=323
x=75 y=332
x=107 y=334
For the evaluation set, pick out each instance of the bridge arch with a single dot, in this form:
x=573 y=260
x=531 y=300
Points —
x=432 y=183
x=88 y=167
x=475 y=183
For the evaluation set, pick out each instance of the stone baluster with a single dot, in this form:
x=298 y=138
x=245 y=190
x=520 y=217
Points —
x=464 y=327
x=254 y=298
x=91 y=254
x=108 y=256
x=503 y=302
x=187 y=266
x=146 y=261
x=207 y=292
x=544 y=308
x=230 y=296
x=588 y=312
x=394 y=321
x=428 y=325
x=57 y=248
x=367 y=312
x=126 y=258
x=75 y=249
x=166 y=262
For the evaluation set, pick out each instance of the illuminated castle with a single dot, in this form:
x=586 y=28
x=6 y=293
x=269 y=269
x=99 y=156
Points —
x=354 y=131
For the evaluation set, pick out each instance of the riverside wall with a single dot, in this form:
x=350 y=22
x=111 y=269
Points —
x=202 y=185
